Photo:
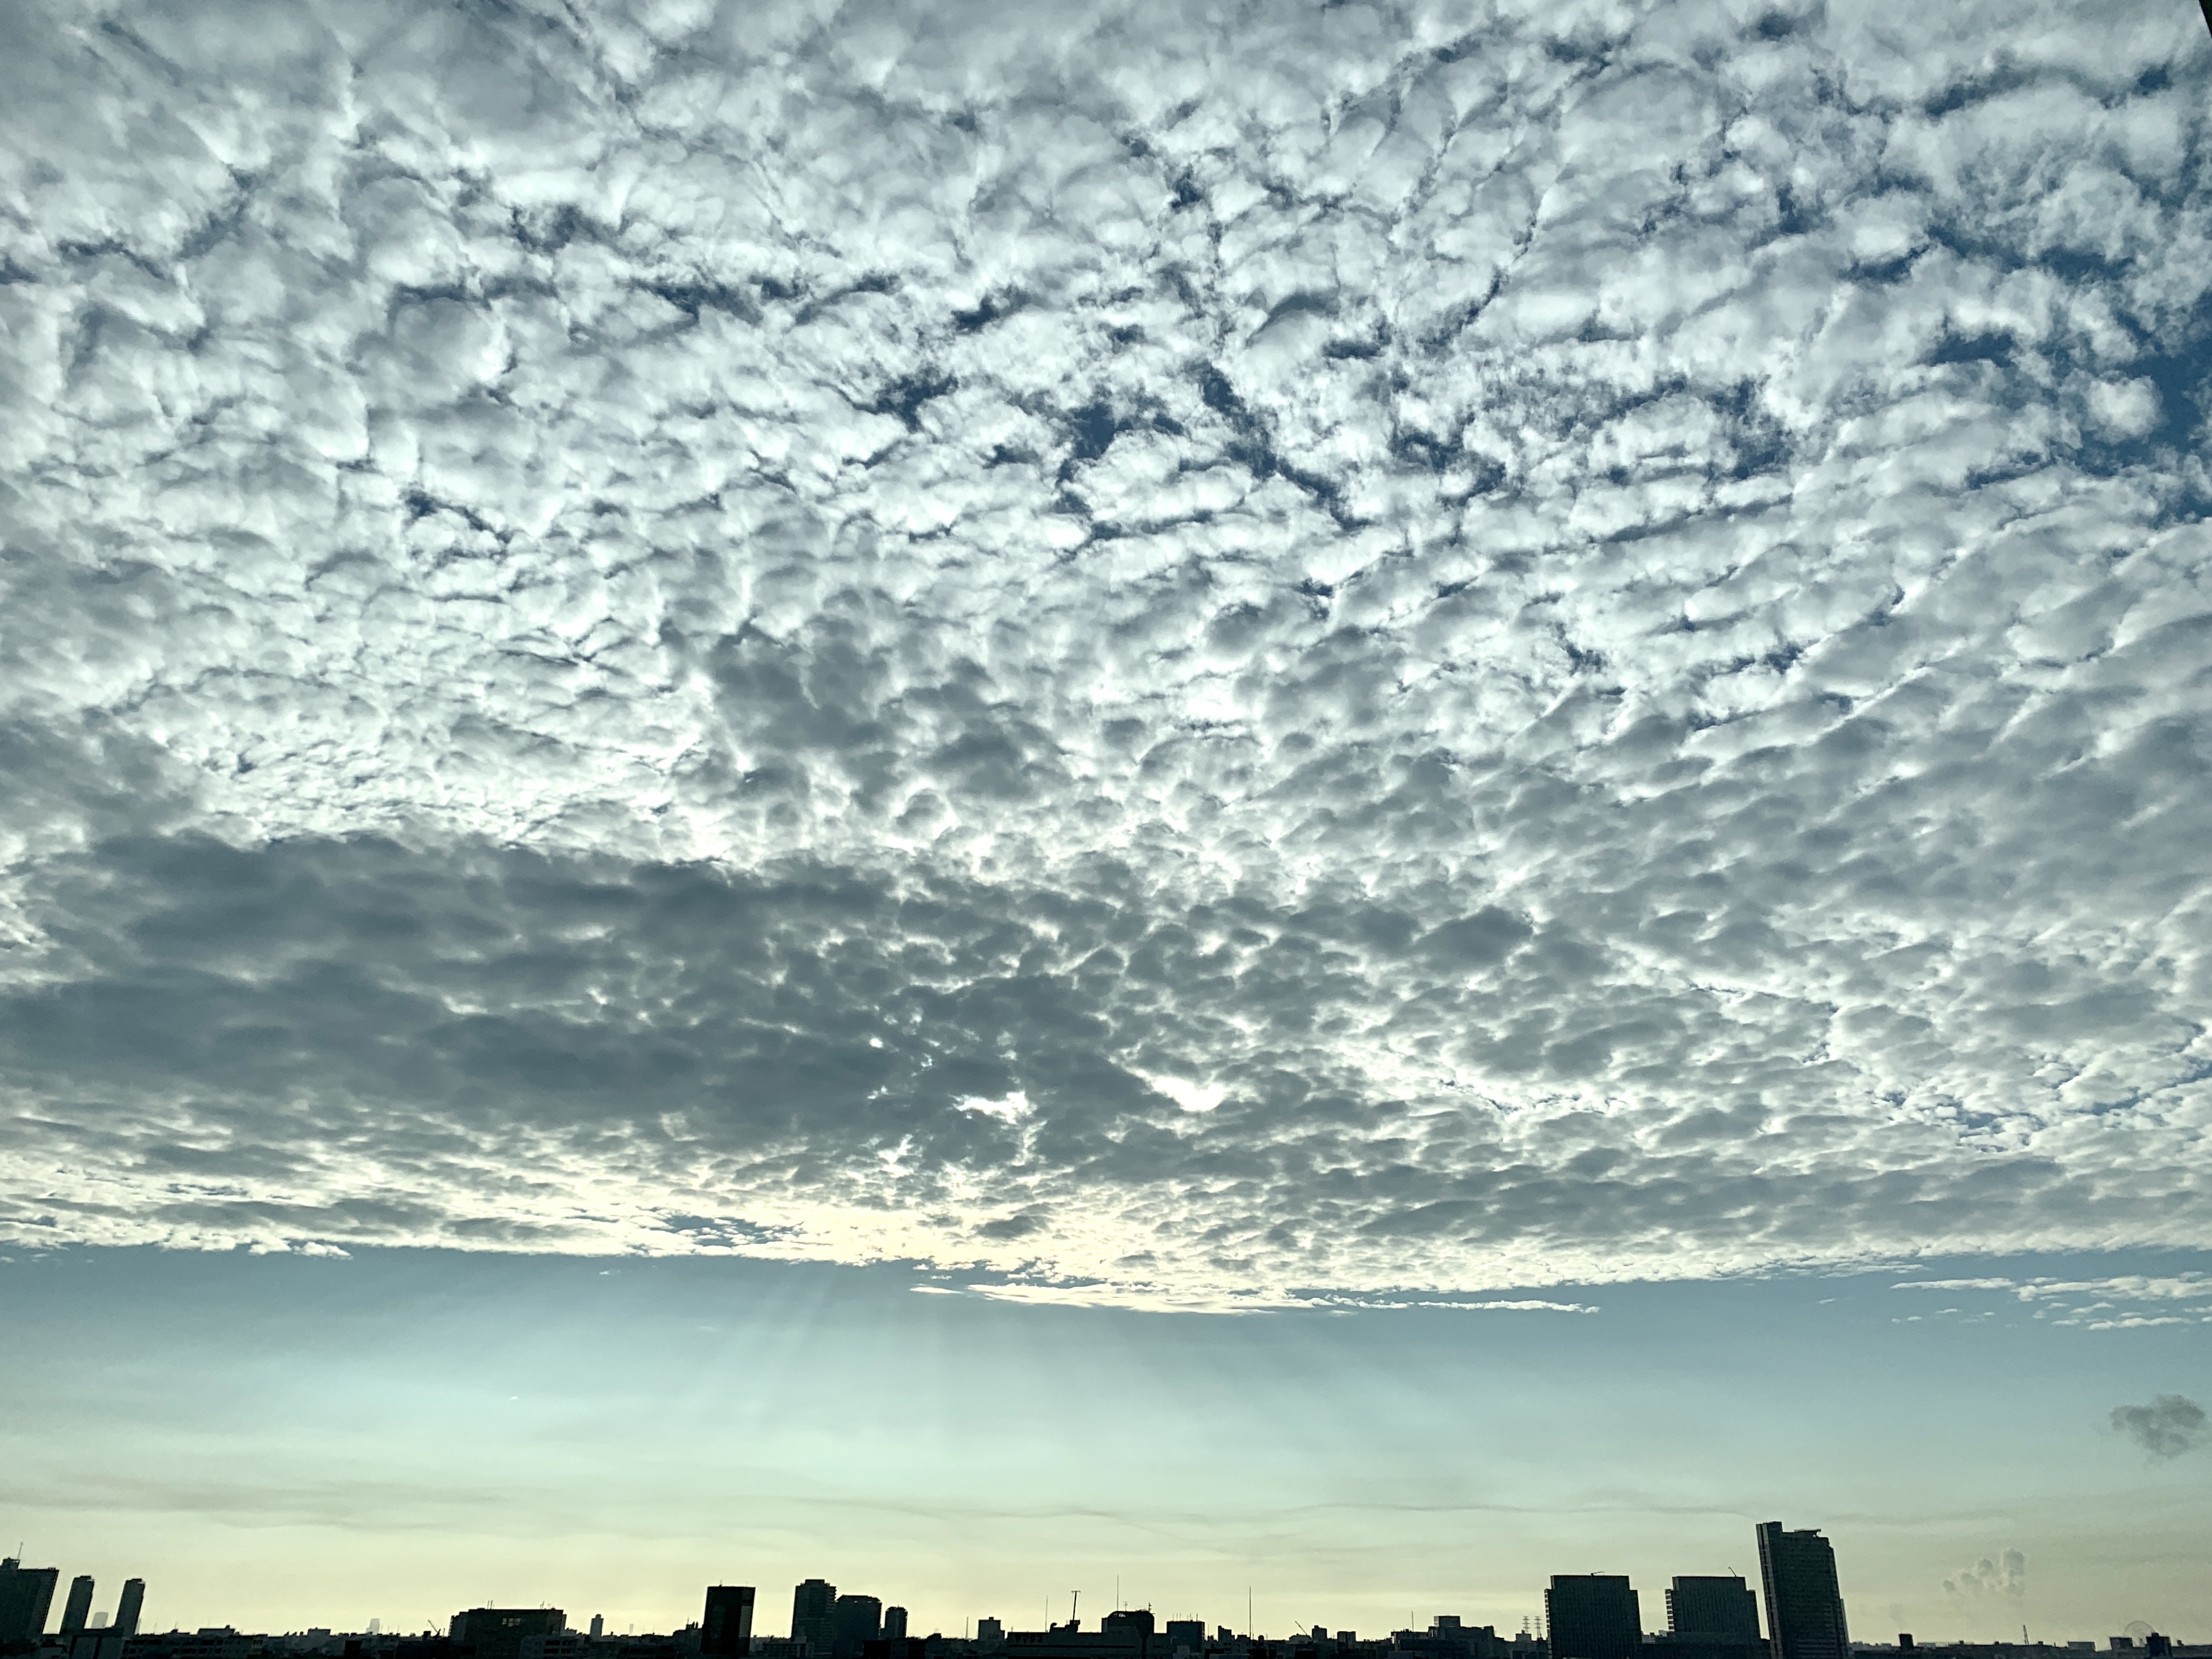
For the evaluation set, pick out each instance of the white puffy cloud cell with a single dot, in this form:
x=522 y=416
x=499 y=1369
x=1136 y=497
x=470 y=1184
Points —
x=1176 y=655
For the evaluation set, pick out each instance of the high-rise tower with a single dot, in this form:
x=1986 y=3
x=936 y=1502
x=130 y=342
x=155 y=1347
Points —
x=810 y=1615
x=1593 y=1615
x=80 y=1605
x=127 y=1609
x=26 y=1596
x=1712 y=1610
x=1804 y=1606
x=854 y=1621
x=726 y=1630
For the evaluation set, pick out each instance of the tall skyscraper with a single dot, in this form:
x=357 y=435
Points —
x=810 y=1615
x=1593 y=1615
x=1713 y=1610
x=598 y=1626
x=1804 y=1606
x=79 y=1610
x=26 y=1596
x=727 y=1627
x=127 y=1609
x=854 y=1620
x=894 y=1624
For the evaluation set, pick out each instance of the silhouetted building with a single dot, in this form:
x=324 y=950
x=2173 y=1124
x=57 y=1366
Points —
x=1593 y=1615
x=222 y=1642
x=128 y=1609
x=26 y=1596
x=1181 y=1634
x=1448 y=1637
x=725 y=1629
x=989 y=1633
x=1712 y=1610
x=894 y=1624
x=1132 y=1627
x=78 y=1612
x=853 y=1620
x=501 y=1632
x=812 y=1604
x=1124 y=1635
x=598 y=1626
x=1804 y=1606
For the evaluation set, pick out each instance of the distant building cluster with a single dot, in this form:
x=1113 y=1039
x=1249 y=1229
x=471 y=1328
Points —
x=27 y=1602
x=1594 y=1615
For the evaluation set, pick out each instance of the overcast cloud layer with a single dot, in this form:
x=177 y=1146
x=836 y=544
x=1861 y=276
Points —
x=1182 y=656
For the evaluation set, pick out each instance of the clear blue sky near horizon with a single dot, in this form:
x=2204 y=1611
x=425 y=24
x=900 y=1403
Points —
x=279 y=1442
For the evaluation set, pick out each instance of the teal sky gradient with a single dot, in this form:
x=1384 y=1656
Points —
x=280 y=1442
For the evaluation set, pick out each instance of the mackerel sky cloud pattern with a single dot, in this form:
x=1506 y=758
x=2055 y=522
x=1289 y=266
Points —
x=1194 y=658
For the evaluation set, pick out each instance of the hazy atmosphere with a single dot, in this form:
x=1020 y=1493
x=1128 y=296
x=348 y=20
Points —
x=1455 y=760
x=306 y=1442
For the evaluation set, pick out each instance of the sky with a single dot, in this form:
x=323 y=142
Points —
x=291 y=1441
x=1279 y=692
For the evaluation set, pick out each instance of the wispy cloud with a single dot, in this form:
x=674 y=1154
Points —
x=2099 y=1304
x=1493 y=1304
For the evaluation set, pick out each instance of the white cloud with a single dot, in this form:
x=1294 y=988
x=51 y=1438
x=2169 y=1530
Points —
x=1012 y=1109
x=1956 y=1285
x=2093 y=1303
x=1468 y=646
x=1496 y=1304
x=1191 y=1097
x=2127 y=409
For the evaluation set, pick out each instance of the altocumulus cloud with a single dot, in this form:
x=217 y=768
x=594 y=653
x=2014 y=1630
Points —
x=1181 y=660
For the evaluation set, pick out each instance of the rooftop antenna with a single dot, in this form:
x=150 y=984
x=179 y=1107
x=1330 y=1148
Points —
x=1074 y=1599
